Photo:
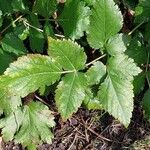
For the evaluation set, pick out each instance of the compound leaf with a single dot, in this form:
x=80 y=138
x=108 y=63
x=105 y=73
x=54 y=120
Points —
x=69 y=54
x=70 y=94
x=105 y=21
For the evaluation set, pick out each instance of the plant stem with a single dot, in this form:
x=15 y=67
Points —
x=26 y=23
x=136 y=27
x=11 y=24
x=90 y=63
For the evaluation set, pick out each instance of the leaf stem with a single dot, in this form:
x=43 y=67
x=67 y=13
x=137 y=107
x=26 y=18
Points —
x=136 y=27
x=90 y=63
x=68 y=71
x=26 y=23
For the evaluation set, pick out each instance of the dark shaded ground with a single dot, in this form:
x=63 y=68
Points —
x=95 y=130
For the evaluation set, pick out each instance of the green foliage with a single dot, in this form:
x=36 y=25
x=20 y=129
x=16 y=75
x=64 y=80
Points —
x=137 y=51
x=75 y=18
x=96 y=73
x=143 y=11
x=28 y=69
x=117 y=90
x=146 y=103
x=29 y=125
x=70 y=94
x=45 y=8
x=139 y=83
x=36 y=36
x=101 y=21
x=9 y=44
x=18 y=77
x=62 y=38
x=5 y=60
x=70 y=55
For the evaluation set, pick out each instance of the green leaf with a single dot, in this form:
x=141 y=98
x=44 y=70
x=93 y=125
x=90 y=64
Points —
x=146 y=103
x=105 y=21
x=142 y=11
x=124 y=65
x=90 y=101
x=31 y=72
x=70 y=94
x=5 y=7
x=96 y=73
x=139 y=83
x=10 y=124
x=116 y=45
x=48 y=30
x=9 y=101
x=90 y=2
x=5 y=60
x=36 y=36
x=75 y=18
x=94 y=104
x=116 y=93
x=45 y=8
x=36 y=125
x=11 y=43
x=18 y=5
x=69 y=54
x=117 y=98
x=21 y=32
x=137 y=51
x=29 y=125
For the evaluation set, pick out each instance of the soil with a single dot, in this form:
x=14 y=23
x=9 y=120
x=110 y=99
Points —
x=95 y=130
